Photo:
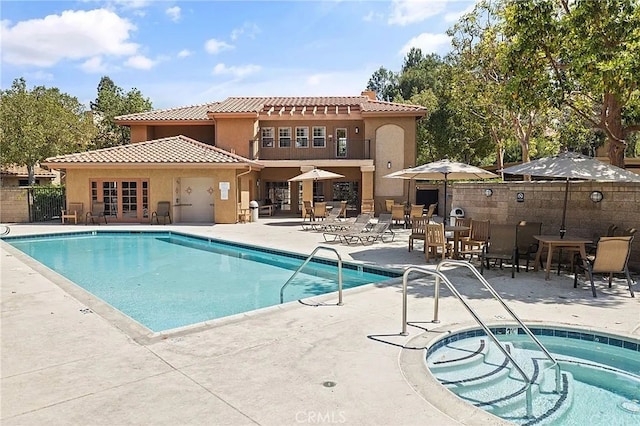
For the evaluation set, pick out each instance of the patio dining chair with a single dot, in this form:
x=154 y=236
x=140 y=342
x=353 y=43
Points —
x=308 y=211
x=612 y=257
x=418 y=229
x=435 y=242
x=397 y=214
x=164 y=211
x=502 y=246
x=527 y=245
x=97 y=211
x=478 y=238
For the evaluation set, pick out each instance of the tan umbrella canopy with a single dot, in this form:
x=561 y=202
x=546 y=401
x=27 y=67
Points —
x=571 y=165
x=443 y=170
x=315 y=174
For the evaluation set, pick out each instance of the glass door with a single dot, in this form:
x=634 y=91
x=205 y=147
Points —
x=341 y=143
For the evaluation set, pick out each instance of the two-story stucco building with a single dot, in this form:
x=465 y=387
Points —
x=206 y=159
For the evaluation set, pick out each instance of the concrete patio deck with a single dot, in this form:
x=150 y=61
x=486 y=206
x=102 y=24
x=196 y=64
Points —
x=64 y=361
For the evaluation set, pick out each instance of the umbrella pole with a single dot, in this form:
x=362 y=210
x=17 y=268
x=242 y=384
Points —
x=563 y=229
x=445 y=214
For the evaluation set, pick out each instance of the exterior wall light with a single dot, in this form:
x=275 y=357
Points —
x=596 y=196
x=357 y=130
x=488 y=192
x=388 y=164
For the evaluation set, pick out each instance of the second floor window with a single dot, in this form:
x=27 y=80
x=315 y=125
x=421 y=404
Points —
x=267 y=137
x=319 y=137
x=302 y=137
x=284 y=137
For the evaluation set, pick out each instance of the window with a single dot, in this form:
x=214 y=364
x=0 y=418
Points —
x=284 y=137
x=319 y=137
x=302 y=137
x=267 y=137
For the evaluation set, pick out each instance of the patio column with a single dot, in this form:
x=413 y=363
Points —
x=367 y=181
x=307 y=188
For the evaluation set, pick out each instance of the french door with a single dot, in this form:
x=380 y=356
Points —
x=125 y=200
x=341 y=143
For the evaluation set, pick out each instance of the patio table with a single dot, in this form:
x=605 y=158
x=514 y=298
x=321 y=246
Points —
x=456 y=230
x=551 y=242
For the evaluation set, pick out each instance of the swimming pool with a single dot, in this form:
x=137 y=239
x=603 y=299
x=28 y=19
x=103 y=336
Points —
x=600 y=375
x=167 y=280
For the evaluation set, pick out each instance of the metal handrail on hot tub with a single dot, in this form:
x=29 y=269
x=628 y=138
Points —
x=440 y=276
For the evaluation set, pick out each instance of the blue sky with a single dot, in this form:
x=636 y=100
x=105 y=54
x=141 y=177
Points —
x=186 y=53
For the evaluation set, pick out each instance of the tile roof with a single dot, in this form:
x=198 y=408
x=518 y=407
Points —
x=192 y=112
x=170 y=150
x=21 y=171
x=275 y=104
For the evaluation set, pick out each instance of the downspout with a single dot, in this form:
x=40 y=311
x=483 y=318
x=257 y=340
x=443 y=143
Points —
x=238 y=181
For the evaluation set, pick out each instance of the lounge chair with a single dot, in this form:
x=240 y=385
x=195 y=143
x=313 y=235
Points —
x=330 y=222
x=612 y=257
x=359 y=225
x=97 y=212
x=370 y=235
x=73 y=211
x=502 y=246
x=162 y=211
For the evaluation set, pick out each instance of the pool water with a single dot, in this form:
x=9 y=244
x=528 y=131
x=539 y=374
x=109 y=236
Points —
x=166 y=280
x=600 y=375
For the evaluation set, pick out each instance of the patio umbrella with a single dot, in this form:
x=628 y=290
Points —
x=571 y=165
x=315 y=174
x=443 y=170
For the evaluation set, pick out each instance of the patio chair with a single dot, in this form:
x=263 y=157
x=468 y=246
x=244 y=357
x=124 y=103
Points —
x=163 y=210
x=343 y=209
x=97 y=212
x=320 y=210
x=612 y=257
x=527 y=245
x=73 y=211
x=359 y=225
x=308 y=211
x=478 y=238
x=388 y=204
x=502 y=246
x=367 y=207
x=431 y=211
x=436 y=243
x=386 y=218
x=397 y=213
x=418 y=232
x=416 y=211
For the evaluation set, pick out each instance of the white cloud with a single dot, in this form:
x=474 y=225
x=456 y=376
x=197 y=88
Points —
x=140 y=62
x=428 y=43
x=214 y=46
x=454 y=16
x=184 y=53
x=248 y=28
x=406 y=12
x=238 y=72
x=173 y=13
x=94 y=65
x=71 y=35
x=39 y=75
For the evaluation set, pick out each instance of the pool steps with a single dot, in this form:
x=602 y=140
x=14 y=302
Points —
x=473 y=371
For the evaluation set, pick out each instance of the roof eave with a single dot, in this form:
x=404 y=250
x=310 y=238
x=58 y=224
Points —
x=163 y=122
x=120 y=165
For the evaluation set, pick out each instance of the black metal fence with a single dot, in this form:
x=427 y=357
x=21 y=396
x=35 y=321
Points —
x=45 y=203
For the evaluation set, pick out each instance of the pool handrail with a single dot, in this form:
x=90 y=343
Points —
x=494 y=293
x=440 y=276
x=318 y=248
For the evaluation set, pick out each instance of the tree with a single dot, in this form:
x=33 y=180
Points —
x=384 y=83
x=111 y=102
x=41 y=123
x=587 y=55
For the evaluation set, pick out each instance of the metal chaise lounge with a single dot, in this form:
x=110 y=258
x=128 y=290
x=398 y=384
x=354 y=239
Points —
x=360 y=224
